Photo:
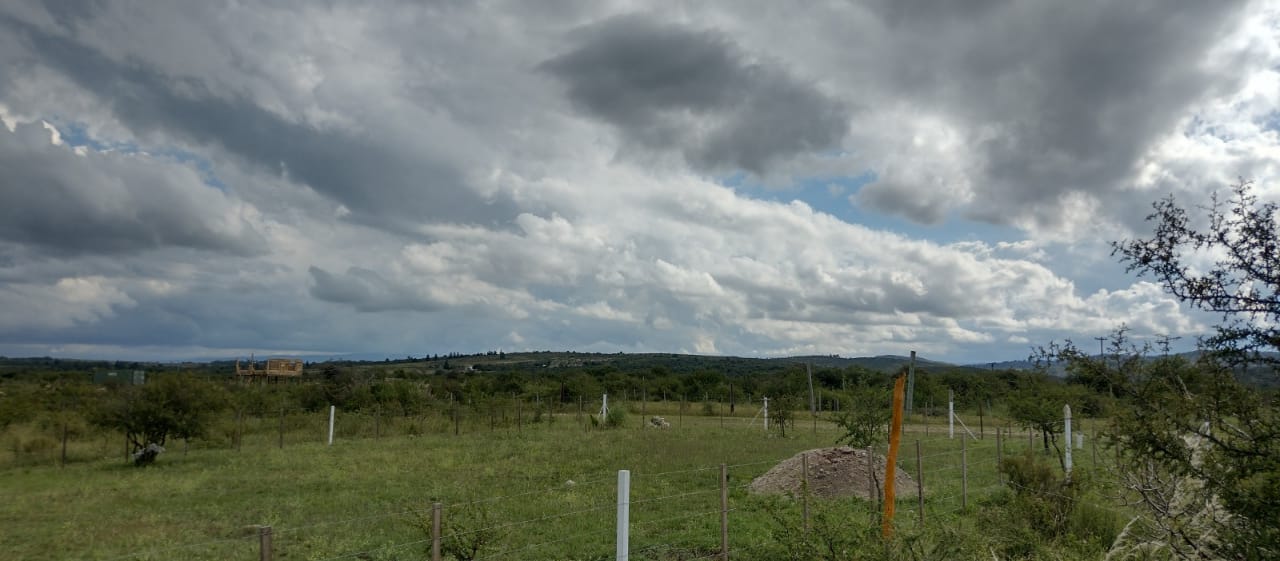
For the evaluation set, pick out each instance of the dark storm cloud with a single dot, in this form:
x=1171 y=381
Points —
x=109 y=202
x=665 y=86
x=381 y=182
x=1055 y=97
x=365 y=290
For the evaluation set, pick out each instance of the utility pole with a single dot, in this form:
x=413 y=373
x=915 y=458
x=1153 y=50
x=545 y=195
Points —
x=813 y=405
x=1100 y=341
x=1164 y=339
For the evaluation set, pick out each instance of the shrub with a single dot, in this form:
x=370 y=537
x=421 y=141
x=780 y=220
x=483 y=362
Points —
x=1043 y=499
x=617 y=417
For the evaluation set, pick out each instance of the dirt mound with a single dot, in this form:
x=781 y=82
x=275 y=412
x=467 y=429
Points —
x=834 y=472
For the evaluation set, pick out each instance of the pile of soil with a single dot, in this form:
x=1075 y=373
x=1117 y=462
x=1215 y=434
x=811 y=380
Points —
x=834 y=472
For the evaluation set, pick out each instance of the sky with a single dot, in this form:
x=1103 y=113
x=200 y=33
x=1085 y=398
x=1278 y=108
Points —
x=197 y=180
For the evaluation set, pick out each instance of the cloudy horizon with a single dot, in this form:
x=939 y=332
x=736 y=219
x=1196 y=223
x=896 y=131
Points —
x=736 y=178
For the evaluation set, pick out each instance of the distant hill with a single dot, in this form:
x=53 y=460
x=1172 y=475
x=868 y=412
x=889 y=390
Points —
x=888 y=364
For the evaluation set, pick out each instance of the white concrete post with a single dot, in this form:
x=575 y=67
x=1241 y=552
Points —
x=624 y=513
x=331 y=409
x=604 y=407
x=1066 y=417
x=766 y=414
x=1080 y=440
x=951 y=414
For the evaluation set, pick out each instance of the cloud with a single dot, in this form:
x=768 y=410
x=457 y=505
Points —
x=369 y=171
x=325 y=178
x=95 y=202
x=666 y=86
x=1002 y=111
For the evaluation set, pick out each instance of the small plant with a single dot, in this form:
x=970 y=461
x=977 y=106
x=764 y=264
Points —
x=617 y=417
x=864 y=421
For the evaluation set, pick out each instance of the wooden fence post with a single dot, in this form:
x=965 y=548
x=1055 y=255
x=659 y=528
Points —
x=724 y=512
x=804 y=489
x=999 y=455
x=872 y=495
x=264 y=543
x=63 y=463
x=920 y=482
x=435 y=531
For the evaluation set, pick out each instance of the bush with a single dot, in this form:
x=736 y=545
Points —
x=1043 y=499
x=617 y=417
x=864 y=421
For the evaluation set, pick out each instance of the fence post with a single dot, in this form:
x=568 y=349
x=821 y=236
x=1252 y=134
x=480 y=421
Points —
x=435 y=531
x=281 y=428
x=982 y=430
x=63 y=463
x=264 y=543
x=804 y=489
x=331 y=411
x=724 y=512
x=871 y=482
x=964 y=474
x=766 y=414
x=951 y=414
x=624 y=514
x=999 y=455
x=1093 y=444
x=1066 y=460
x=920 y=482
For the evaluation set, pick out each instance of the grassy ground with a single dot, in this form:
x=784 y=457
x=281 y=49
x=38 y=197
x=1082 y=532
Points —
x=507 y=486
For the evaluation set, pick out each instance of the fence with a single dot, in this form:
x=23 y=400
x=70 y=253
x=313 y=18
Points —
x=696 y=513
x=281 y=427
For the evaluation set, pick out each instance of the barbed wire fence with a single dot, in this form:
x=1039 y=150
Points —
x=682 y=514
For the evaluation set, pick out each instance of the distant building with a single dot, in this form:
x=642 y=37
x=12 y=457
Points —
x=134 y=378
x=276 y=368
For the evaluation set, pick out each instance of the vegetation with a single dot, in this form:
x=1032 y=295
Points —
x=178 y=406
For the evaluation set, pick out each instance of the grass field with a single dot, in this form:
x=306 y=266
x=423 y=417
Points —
x=507 y=486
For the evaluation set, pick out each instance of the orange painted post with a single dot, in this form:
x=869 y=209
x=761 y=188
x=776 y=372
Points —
x=895 y=435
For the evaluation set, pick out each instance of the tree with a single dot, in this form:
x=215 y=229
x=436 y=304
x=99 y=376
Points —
x=1036 y=404
x=178 y=406
x=1198 y=450
x=867 y=413
x=1243 y=283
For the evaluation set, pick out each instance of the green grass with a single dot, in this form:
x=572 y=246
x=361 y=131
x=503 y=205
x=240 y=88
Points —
x=363 y=497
